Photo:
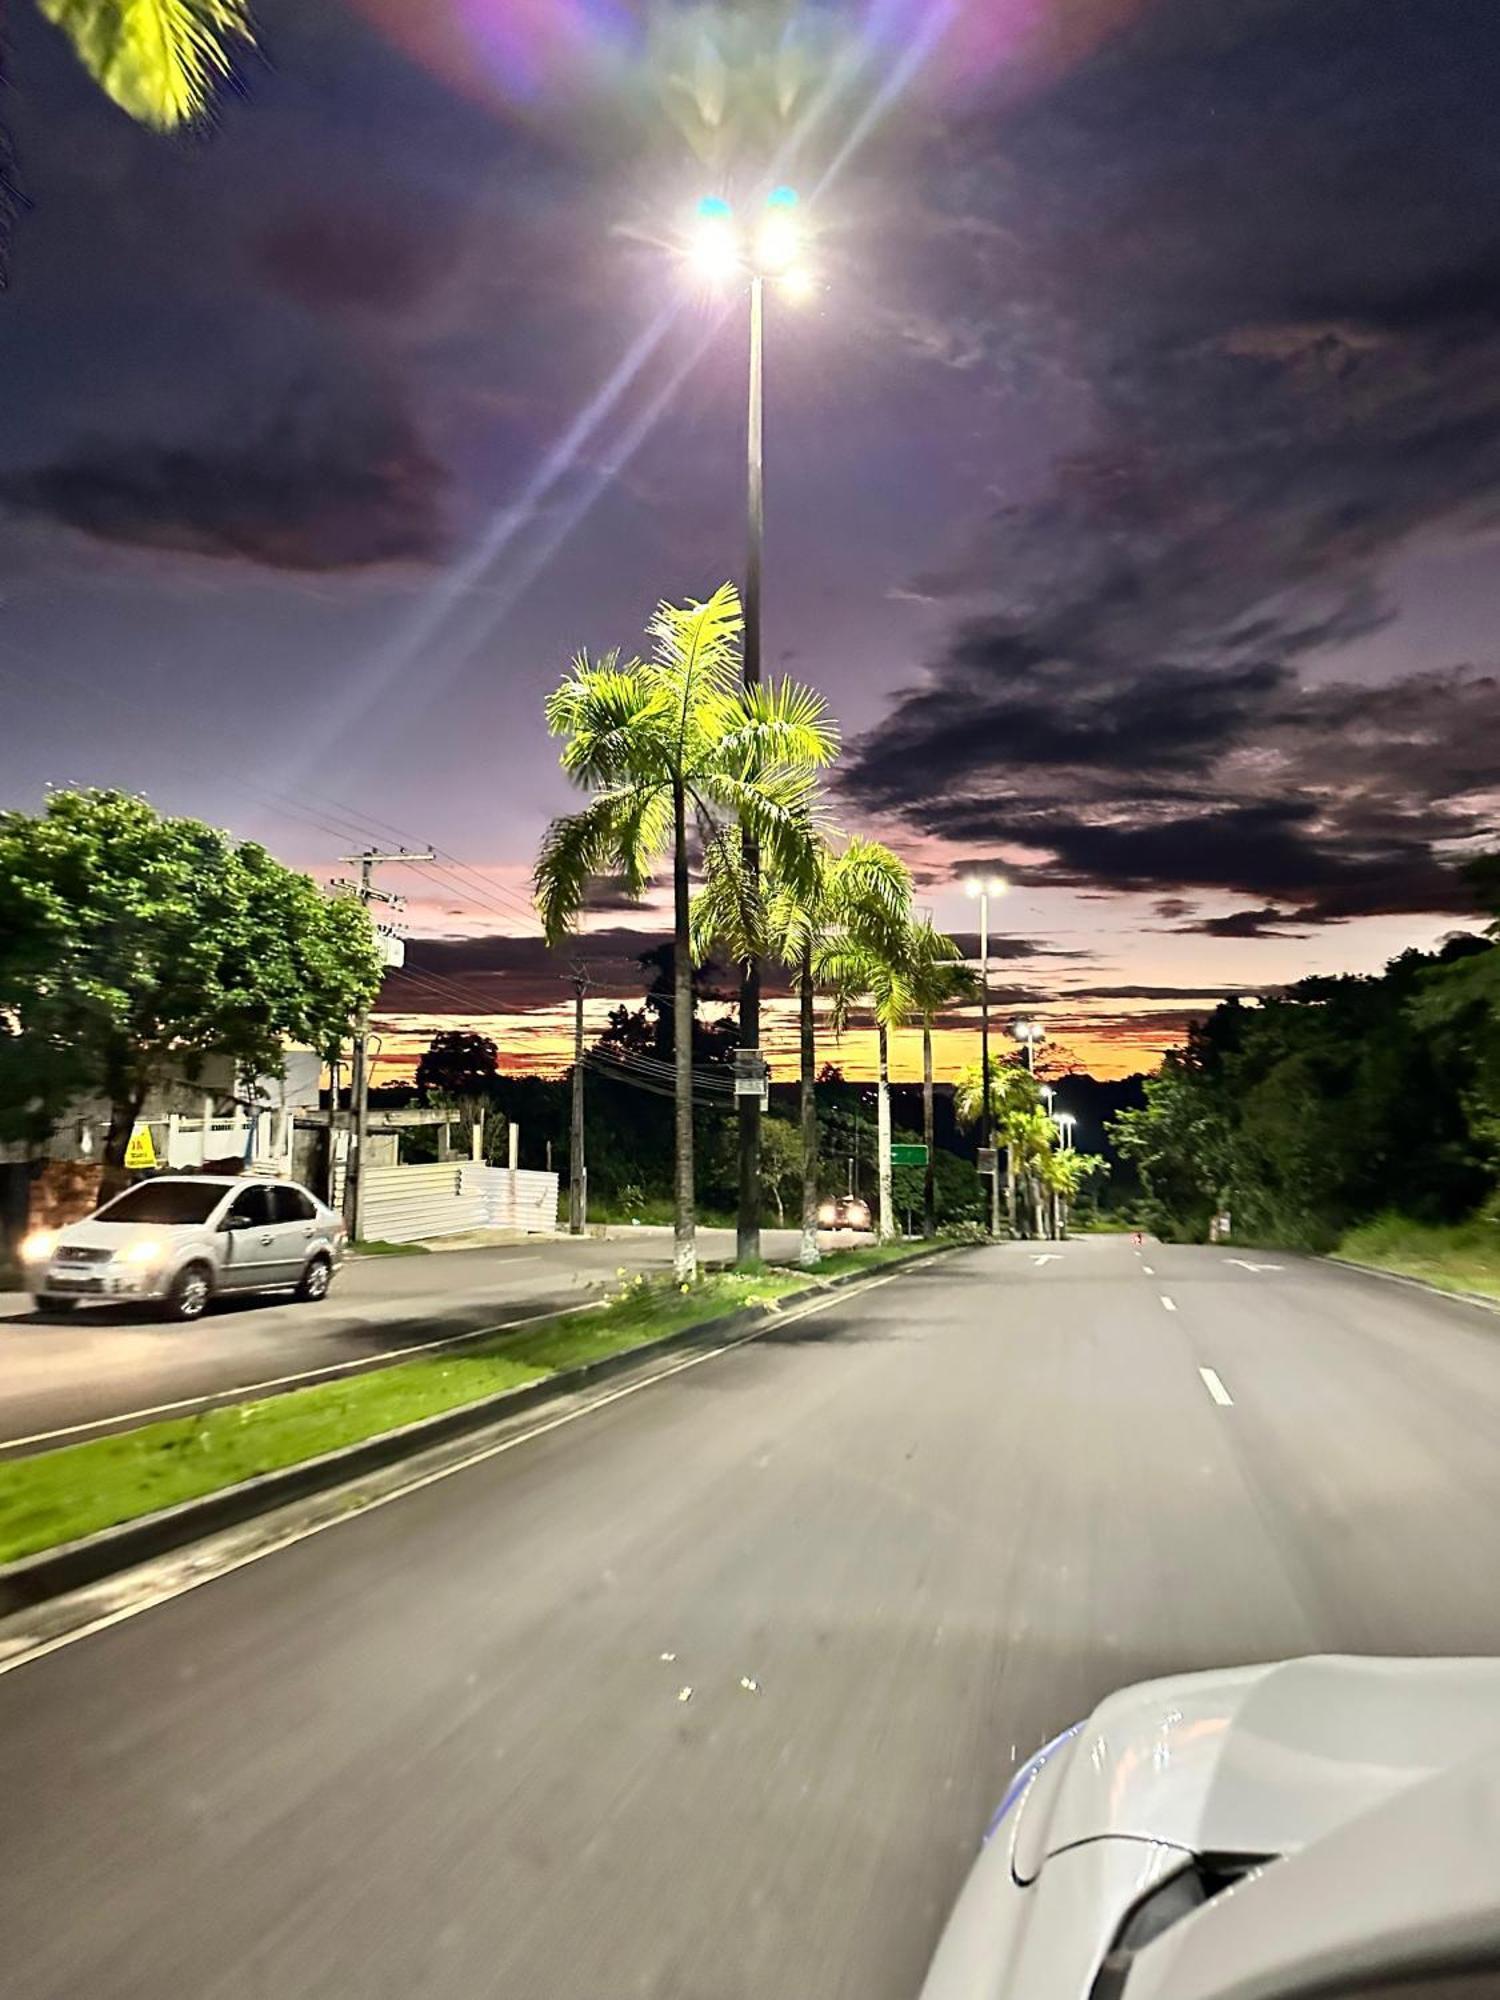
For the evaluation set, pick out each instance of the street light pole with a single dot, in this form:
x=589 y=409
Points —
x=747 y=1235
x=983 y=887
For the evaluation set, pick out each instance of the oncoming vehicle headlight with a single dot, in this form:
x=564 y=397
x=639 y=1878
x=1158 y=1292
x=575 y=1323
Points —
x=142 y=1252
x=39 y=1245
x=827 y=1213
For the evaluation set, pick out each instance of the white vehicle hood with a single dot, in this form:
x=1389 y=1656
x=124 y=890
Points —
x=1260 y=1760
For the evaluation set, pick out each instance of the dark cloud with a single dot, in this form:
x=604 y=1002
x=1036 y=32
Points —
x=360 y=257
x=1264 y=923
x=340 y=480
x=1254 y=247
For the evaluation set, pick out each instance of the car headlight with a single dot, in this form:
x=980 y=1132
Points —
x=39 y=1245
x=143 y=1252
x=827 y=1212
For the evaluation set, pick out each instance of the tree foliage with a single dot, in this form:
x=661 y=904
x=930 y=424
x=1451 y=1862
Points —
x=159 y=60
x=458 y=1063
x=134 y=945
x=1330 y=1103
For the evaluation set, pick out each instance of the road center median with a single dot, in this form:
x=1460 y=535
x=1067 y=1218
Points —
x=99 y=1498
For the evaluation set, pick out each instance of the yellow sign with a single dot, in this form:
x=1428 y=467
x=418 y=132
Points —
x=140 y=1152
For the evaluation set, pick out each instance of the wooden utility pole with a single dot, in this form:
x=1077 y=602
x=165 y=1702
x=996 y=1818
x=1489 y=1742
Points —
x=578 y=1206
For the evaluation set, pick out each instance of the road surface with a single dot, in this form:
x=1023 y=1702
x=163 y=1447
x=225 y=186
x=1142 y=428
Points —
x=63 y=1379
x=447 y=1749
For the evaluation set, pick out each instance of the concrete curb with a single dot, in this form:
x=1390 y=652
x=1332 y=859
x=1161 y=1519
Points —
x=33 y=1580
x=1480 y=1299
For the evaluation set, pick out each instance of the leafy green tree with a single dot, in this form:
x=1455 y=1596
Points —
x=458 y=1064
x=160 y=60
x=781 y=1158
x=859 y=890
x=133 y=946
x=672 y=747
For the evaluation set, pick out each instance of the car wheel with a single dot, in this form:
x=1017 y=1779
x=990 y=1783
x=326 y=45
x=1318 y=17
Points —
x=191 y=1290
x=49 y=1303
x=315 y=1280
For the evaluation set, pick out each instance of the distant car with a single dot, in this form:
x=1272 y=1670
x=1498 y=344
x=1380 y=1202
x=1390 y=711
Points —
x=844 y=1211
x=1325 y=1827
x=182 y=1238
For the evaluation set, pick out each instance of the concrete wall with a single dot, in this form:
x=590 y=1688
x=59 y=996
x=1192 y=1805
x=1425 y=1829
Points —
x=405 y=1204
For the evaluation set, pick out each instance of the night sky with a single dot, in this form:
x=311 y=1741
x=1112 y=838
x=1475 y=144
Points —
x=1133 y=473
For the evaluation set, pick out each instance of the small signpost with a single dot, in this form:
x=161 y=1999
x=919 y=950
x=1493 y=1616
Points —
x=752 y=1077
x=140 y=1152
x=908 y=1156
x=989 y=1159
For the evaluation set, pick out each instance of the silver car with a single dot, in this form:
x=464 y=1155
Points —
x=182 y=1238
x=1325 y=1827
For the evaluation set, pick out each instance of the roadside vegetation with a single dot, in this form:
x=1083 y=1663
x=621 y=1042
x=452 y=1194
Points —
x=1354 y=1113
x=59 y=1496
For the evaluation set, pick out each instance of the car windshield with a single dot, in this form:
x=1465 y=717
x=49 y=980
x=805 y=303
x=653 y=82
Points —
x=164 y=1201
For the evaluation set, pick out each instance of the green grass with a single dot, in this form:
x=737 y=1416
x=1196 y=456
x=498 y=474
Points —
x=58 y=1496
x=1458 y=1257
x=375 y=1247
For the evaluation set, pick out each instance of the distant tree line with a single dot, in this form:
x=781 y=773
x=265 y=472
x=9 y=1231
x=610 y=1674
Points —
x=1333 y=1102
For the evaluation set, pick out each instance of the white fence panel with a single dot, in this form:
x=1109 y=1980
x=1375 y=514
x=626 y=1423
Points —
x=404 y=1204
x=523 y=1199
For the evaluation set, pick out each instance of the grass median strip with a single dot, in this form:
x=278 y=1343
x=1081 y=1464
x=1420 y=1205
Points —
x=1459 y=1257
x=59 y=1496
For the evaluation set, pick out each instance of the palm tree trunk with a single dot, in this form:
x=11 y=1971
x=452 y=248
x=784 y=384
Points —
x=929 y=1178
x=883 y=1129
x=809 y=1253
x=1010 y=1189
x=685 y=1252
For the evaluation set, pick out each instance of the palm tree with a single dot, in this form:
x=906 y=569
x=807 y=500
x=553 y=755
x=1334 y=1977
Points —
x=1014 y=1096
x=160 y=60
x=860 y=890
x=671 y=746
x=939 y=977
x=879 y=973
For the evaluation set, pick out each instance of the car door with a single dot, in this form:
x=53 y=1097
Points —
x=254 y=1255
x=295 y=1226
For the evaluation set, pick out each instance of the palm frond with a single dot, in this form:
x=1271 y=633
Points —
x=609 y=716
x=603 y=838
x=160 y=60
x=696 y=652
x=729 y=911
x=779 y=722
x=777 y=809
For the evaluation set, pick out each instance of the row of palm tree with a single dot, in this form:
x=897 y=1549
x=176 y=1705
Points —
x=683 y=765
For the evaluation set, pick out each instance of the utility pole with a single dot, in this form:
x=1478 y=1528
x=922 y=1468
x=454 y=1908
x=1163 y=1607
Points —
x=578 y=1203
x=365 y=889
x=747 y=1245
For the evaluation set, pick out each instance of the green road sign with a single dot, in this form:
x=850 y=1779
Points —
x=908 y=1156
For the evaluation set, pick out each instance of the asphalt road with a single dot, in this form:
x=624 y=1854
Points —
x=436 y=1750
x=66 y=1378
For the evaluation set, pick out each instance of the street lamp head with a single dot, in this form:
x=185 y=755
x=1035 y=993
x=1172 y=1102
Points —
x=985 y=885
x=1028 y=1031
x=778 y=243
x=714 y=248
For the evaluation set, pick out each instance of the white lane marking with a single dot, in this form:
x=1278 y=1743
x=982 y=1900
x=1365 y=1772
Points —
x=239 y=1393
x=1050 y=1258
x=1251 y=1267
x=182 y=1585
x=1170 y=1304
x=1216 y=1389
x=1147 y=1271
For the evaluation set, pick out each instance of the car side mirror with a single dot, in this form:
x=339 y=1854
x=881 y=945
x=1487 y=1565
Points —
x=235 y=1222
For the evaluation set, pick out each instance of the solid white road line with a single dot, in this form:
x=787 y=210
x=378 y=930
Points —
x=180 y=1586
x=241 y=1392
x=1170 y=1304
x=1216 y=1389
x=1147 y=1271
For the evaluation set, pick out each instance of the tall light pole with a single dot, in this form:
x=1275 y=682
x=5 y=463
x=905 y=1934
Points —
x=985 y=886
x=725 y=254
x=1031 y=1035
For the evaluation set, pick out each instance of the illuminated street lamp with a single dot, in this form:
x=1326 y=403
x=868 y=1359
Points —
x=983 y=887
x=1031 y=1035
x=1065 y=1121
x=725 y=252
